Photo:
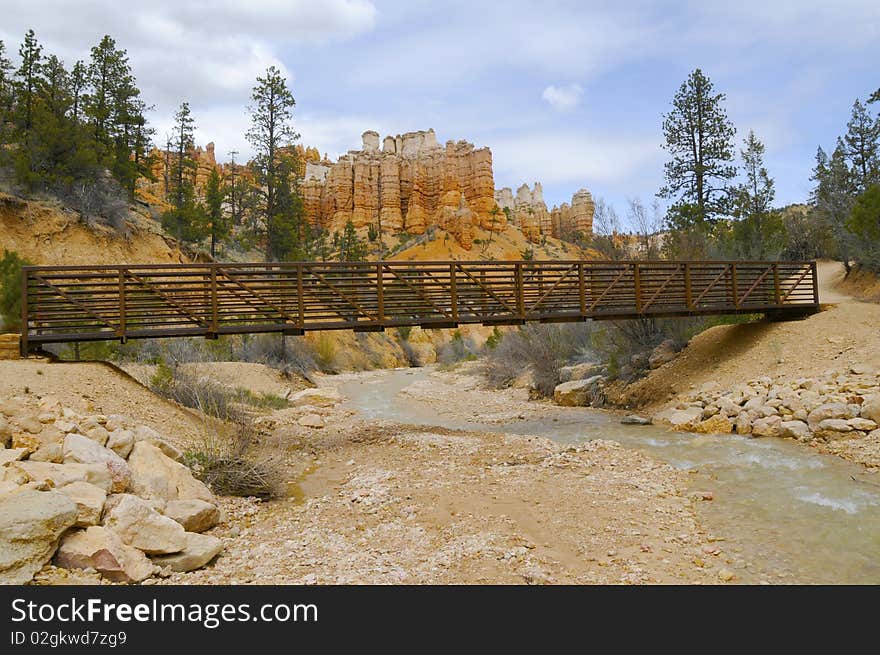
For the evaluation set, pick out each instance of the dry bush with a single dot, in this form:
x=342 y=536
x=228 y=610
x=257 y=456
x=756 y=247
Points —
x=542 y=348
x=286 y=354
x=230 y=464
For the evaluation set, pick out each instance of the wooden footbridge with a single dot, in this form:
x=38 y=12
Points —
x=94 y=303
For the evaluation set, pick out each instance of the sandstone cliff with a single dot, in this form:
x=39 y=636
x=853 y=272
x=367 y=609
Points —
x=529 y=212
x=409 y=184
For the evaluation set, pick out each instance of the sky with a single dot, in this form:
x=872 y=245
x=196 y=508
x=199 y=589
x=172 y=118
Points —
x=570 y=94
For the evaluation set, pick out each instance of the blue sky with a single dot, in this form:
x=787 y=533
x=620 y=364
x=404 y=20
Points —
x=567 y=93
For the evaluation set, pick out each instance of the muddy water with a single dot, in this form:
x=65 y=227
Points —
x=788 y=514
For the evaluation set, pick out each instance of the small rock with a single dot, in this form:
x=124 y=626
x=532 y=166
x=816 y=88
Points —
x=870 y=408
x=8 y=455
x=148 y=434
x=863 y=424
x=767 y=427
x=743 y=423
x=726 y=575
x=120 y=442
x=199 y=550
x=141 y=526
x=89 y=501
x=795 y=430
x=5 y=432
x=715 y=425
x=311 y=421
x=59 y=475
x=104 y=551
x=82 y=450
x=635 y=419
x=51 y=452
x=194 y=515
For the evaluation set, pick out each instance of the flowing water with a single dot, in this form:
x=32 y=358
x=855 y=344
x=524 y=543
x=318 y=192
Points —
x=789 y=514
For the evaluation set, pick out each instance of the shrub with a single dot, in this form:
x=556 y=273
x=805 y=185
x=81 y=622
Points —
x=542 y=348
x=288 y=355
x=325 y=348
x=10 y=290
x=229 y=464
x=455 y=350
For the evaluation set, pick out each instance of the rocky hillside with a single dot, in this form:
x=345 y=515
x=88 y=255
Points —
x=48 y=233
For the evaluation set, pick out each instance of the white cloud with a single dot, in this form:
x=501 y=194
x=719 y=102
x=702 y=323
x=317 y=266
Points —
x=563 y=98
x=573 y=157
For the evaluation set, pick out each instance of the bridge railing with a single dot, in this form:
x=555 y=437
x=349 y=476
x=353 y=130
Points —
x=87 y=303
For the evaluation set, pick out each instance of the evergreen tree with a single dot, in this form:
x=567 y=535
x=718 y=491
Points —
x=758 y=233
x=108 y=66
x=284 y=230
x=6 y=86
x=271 y=113
x=78 y=86
x=699 y=139
x=187 y=219
x=862 y=146
x=351 y=247
x=218 y=223
x=833 y=197
x=28 y=82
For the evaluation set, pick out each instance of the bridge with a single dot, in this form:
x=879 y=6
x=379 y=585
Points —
x=94 y=303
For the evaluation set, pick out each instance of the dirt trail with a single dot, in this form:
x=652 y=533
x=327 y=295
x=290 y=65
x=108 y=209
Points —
x=831 y=274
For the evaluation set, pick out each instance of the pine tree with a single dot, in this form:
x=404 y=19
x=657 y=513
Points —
x=351 y=247
x=284 y=230
x=29 y=80
x=271 y=113
x=833 y=197
x=186 y=219
x=218 y=223
x=862 y=141
x=78 y=85
x=699 y=139
x=106 y=68
x=759 y=231
x=6 y=86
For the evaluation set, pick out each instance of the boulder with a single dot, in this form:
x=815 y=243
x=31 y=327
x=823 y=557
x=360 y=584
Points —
x=89 y=501
x=59 y=475
x=795 y=430
x=682 y=419
x=743 y=423
x=826 y=411
x=117 y=422
x=194 y=515
x=635 y=419
x=662 y=354
x=5 y=432
x=578 y=372
x=768 y=426
x=8 y=455
x=141 y=526
x=31 y=523
x=200 y=549
x=155 y=475
x=29 y=423
x=858 y=423
x=103 y=550
x=98 y=434
x=82 y=450
x=572 y=394
x=319 y=397
x=148 y=434
x=715 y=425
x=121 y=442
x=311 y=421
x=51 y=452
x=832 y=428
x=871 y=408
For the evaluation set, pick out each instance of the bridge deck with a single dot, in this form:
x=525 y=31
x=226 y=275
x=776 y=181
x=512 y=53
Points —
x=89 y=303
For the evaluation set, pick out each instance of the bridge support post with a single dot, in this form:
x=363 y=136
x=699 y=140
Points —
x=23 y=343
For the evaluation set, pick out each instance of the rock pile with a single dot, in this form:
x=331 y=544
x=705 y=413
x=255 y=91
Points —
x=835 y=405
x=96 y=492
